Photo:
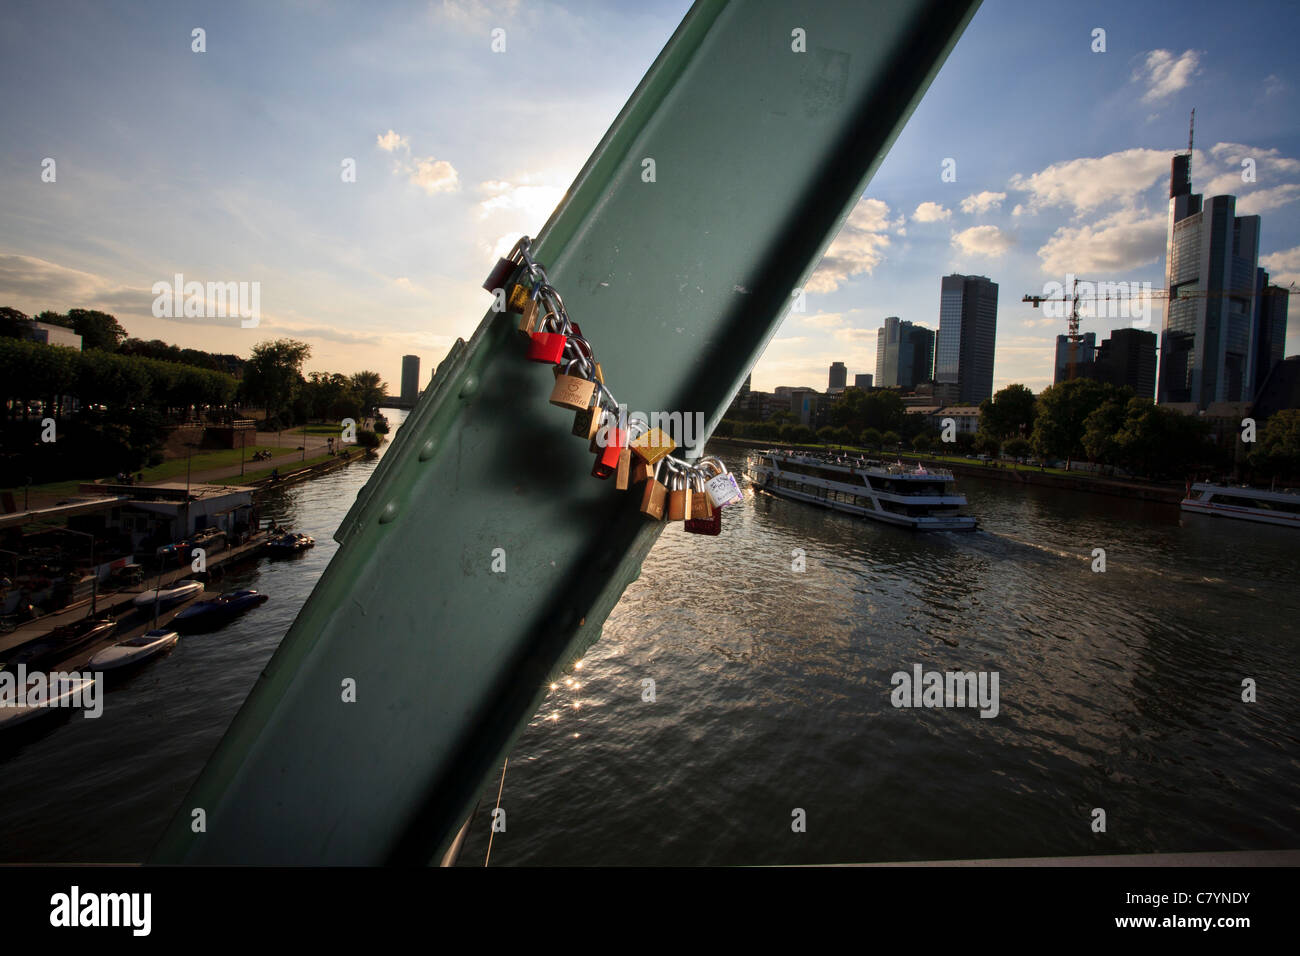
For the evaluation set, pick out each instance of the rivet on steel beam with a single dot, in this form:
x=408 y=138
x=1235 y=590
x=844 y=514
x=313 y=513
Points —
x=389 y=512
x=469 y=386
x=426 y=450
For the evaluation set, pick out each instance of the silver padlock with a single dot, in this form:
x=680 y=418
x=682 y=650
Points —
x=723 y=488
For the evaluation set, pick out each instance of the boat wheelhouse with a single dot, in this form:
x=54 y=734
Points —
x=913 y=496
x=1247 y=504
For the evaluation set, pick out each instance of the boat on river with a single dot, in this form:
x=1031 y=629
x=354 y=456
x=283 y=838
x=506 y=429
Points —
x=170 y=595
x=61 y=643
x=134 y=650
x=206 y=615
x=66 y=692
x=1244 y=503
x=293 y=542
x=911 y=496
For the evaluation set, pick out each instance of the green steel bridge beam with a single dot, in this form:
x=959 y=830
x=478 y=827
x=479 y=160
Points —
x=760 y=153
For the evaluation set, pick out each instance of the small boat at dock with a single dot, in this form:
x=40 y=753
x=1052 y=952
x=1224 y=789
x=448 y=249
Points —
x=135 y=650
x=61 y=643
x=67 y=692
x=169 y=595
x=206 y=615
x=293 y=542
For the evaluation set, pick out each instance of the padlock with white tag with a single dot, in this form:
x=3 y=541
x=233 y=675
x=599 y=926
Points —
x=723 y=489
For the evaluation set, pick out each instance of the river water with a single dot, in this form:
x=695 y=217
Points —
x=1119 y=691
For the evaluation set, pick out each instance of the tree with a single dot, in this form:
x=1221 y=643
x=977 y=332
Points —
x=1277 y=452
x=922 y=443
x=98 y=330
x=274 y=373
x=13 y=324
x=891 y=439
x=1101 y=431
x=1158 y=441
x=370 y=390
x=987 y=444
x=1008 y=413
x=1061 y=413
x=1017 y=448
x=870 y=437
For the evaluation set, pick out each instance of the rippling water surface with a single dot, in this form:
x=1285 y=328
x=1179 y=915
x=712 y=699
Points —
x=1119 y=690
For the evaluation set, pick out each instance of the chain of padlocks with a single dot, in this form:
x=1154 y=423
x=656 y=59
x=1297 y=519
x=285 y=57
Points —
x=630 y=451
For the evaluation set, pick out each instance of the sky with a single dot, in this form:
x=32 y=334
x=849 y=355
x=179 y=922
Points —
x=230 y=165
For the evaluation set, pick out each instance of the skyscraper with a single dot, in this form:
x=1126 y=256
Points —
x=1128 y=357
x=839 y=376
x=1207 y=349
x=862 y=380
x=1269 y=329
x=410 y=378
x=968 y=324
x=1078 y=364
x=904 y=354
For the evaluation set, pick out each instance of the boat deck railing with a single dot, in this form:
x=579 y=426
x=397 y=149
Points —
x=863 y=464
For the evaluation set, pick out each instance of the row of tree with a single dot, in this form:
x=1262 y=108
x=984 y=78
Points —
x=273 y=380
x=1076 y=420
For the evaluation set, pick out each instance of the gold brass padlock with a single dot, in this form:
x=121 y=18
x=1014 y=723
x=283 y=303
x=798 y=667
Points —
x=598 y=375
x=640 y=471
x=652 y=444
x=624 y=472
x=653 y=497
x=520 y=296
x=528 y=322
x=678 y=496
x=586 y=422
x=572 y=392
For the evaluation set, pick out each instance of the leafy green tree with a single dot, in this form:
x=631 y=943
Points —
x=1063 y=409
x=1010 y=412
x=1158 y=441
x=370 y=390
x=1277 y=449
x=98 y=330
x=891 y=439
x=922 y=443
x=273 y=374
x=13 y=324
x=870 y=437
x=1101 y=431
x=986 y=443
x=1017 y=448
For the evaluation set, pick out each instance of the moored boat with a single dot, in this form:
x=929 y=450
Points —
x=217 y=611
x=1244 y=503
x=924 y=499
x=293 y=542
x=170 y=594
x=67 y=692
x=61 y=643
x=135 y=650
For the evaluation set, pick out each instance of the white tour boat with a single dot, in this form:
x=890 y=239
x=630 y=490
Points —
x=1248 y=504
x=913 y=496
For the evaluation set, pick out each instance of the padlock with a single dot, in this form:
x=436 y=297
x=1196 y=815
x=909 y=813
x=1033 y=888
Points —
x=678 y=495
x=587 y=421
x=607 y=460
x=723 y=488
x=598 y=375
x=624 y=472
x=653 y=496
x=640 y=470
x=652 y=444
x=501 y=272
x=572 y=391
x=520 y=295
x=704 y=519
x=546 y=347
x=608 y=424
x=528 y=321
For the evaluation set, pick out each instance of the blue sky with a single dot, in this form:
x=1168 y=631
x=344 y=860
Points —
x=225 y=165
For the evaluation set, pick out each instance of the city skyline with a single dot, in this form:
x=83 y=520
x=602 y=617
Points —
x=389 y=264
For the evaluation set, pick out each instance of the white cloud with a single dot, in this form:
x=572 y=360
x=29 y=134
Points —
x=982 y=202
x=822 y=320
x=535 y=201
x=1113 y=246
x=1261 y=200
x=931 y=212
x=987 y=241
x=1283 y=267
x=435 y=175
x=1273 y=84
x=391 y=141
x=1089 y=182
x=859 y=247
x=1164 y=73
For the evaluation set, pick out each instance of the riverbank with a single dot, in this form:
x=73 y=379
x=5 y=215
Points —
x=1001 y=471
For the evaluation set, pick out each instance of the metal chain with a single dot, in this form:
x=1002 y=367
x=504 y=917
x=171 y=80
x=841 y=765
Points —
x=578 y=354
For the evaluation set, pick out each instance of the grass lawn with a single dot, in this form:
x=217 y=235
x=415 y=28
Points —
x=333 y=429
x=266 y=473
x=56 y=489
x=175 y=468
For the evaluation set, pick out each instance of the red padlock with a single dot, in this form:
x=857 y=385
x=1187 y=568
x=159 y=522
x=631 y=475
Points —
x=547 y=347
x=607 y=459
